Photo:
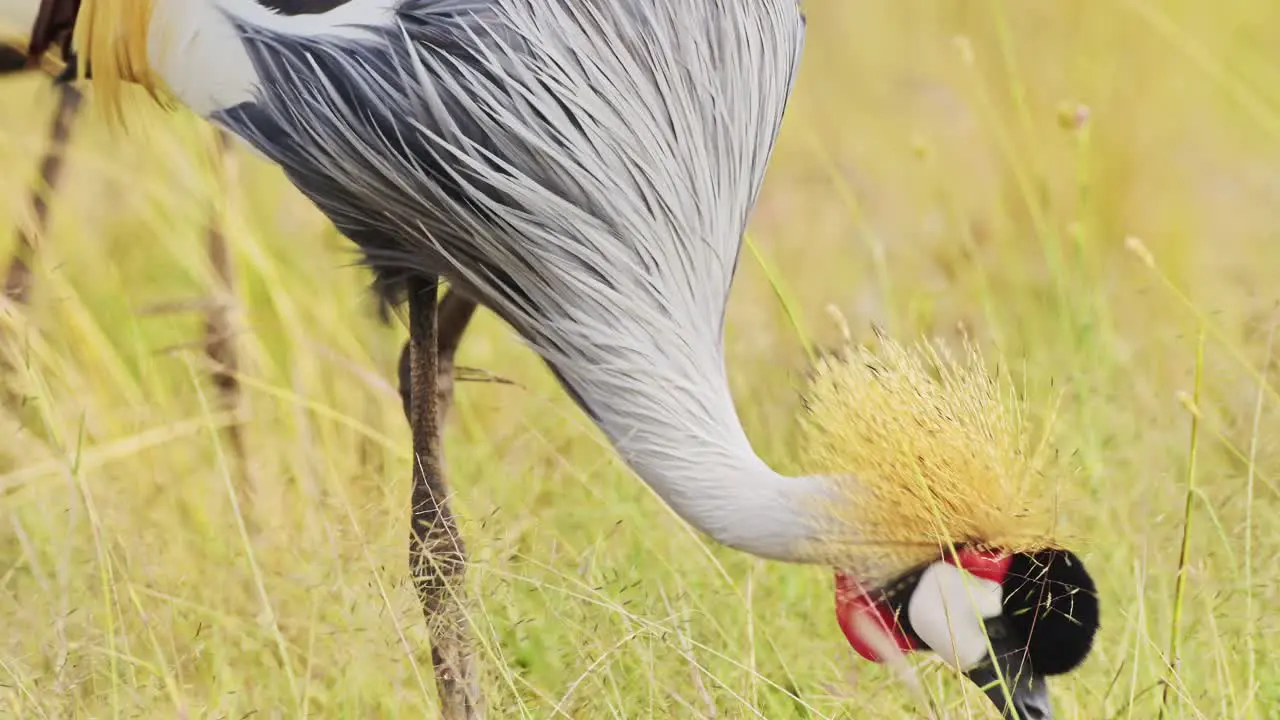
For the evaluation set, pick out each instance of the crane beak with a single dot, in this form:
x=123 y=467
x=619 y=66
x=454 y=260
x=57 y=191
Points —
x=1028 y=690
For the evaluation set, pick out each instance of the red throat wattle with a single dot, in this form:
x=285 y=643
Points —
x=880 y=608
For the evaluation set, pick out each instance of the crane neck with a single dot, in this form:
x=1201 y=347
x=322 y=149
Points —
x=195 y=50
x=686 y=442
x=744 y=505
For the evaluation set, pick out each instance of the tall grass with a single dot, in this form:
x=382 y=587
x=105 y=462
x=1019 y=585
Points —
x=942 y=165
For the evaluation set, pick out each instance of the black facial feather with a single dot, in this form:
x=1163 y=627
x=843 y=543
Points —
x=1052 y=603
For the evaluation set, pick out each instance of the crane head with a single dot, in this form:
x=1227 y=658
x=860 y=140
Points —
x=943 y=524
x=1008 y=621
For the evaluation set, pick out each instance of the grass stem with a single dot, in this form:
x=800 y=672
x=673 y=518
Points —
x=1180 y=584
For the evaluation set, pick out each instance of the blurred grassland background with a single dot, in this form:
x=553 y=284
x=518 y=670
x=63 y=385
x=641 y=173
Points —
x=943 y=164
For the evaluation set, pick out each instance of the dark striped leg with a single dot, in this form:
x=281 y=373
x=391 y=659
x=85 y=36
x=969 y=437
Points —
x=220 y=316
x=453 y=316
x=17 y=278
x=437 y=554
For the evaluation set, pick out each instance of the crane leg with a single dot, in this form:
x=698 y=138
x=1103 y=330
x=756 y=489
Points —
x=220 y=344
x=453 y=316
x=17 y=278
x=437 y=554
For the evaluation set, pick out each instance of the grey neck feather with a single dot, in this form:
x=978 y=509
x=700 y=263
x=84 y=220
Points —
x=583 y=168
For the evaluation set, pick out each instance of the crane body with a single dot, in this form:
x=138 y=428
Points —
x=585 y=169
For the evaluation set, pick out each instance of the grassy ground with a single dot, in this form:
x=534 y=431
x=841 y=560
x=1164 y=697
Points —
x=942 y=163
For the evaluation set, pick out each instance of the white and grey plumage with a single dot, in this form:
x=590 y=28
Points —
x=530 y=152
x=585 y=169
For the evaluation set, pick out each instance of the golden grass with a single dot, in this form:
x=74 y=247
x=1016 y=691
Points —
x=977 y=164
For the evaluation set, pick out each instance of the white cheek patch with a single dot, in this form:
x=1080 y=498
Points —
x=947 y=610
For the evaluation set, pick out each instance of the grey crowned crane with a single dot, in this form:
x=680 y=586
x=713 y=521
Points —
x=585 y=170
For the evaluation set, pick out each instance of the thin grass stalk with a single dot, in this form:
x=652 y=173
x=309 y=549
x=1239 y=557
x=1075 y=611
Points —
x=784 y=298
x=1249 y=613
x=1139 y=249
x=242 y=526
x=1180 y=584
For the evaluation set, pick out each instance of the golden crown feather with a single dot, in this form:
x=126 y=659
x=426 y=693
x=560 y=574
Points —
x=937 y=452
x=111 y=37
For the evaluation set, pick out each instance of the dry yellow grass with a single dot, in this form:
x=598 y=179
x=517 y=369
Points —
x=942 y=164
